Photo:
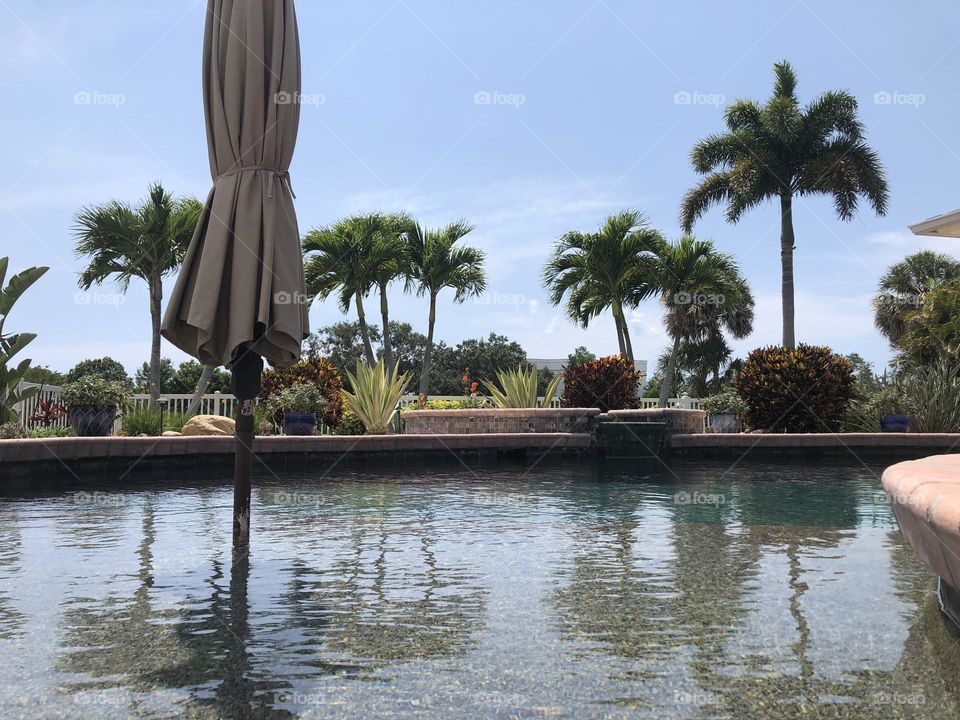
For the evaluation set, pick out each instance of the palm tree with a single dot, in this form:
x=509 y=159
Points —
x=609 y=269
x=903 y=286
x=389 y=261
x=703 y=293
x=346 y=255
x=146 y=242
x=437 y=262
x=779 y=151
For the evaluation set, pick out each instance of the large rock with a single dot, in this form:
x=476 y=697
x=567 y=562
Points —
x=209 y=425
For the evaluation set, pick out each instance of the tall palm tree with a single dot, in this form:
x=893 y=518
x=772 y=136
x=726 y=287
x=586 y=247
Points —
x=347 y=253
x=389 y=261
x=605 y=270
x=146 y=242
x=437 y=262
x=781 y=151
x=703 y=293
x=903 y=286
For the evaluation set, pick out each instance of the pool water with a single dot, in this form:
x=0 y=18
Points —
x=562 y=591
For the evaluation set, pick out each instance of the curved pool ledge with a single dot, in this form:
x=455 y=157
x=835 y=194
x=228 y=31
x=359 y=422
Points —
x=925 y=495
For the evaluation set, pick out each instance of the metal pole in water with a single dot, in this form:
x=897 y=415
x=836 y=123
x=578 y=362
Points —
x=246 y=387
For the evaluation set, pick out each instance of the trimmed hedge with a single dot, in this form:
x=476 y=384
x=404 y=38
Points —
x=808 y=389
x=316 y=370
x=609 y=383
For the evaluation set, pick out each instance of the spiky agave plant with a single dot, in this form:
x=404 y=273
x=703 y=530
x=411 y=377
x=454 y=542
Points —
x=518 y=388
x=375 y=395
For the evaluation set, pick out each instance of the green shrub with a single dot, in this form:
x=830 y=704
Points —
x=263 y=421
x=301 y=397
x=316 y=370
x=609 y=383
x=866 y=410
x=725 y=402
x=804 y=390
x=140 y=422
x=175 y=420
x=51 y=432
x=350 y=424
x=376 y=393
x=12 y=431
x=93 y=390
x=467 y=403
x=932 y=397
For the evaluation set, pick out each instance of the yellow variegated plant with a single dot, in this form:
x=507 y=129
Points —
x=518 y=388
x=375 y=395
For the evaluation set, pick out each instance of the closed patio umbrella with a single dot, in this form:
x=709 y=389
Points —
x=240 y=295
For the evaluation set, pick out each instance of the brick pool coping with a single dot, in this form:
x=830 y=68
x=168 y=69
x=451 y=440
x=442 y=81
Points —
x=64 y=449
x=925 y=496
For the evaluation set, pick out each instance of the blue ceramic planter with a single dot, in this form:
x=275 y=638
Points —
x=895 y=423
x=299 y=423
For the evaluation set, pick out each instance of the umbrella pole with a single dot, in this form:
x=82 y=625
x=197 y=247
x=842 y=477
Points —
x=246 y=387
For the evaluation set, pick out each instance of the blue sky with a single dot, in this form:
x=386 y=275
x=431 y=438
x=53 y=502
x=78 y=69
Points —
x=526 y=118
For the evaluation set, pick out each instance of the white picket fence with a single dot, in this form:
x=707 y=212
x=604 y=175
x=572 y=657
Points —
x=225 y=403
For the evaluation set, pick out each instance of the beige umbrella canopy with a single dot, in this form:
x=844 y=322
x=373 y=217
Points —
x=241 y=285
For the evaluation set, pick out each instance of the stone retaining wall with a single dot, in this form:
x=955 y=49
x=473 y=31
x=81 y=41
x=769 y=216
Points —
x=679 y=420
x=499 y=420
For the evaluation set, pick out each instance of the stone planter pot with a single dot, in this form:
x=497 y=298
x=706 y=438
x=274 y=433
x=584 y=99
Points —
x=725 y=423
x=92 y=420
x=299 y=423
x=895 y=423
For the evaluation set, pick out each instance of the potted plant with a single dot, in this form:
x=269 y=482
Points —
x=92 y=405
x=299 y=405
x=726 y=410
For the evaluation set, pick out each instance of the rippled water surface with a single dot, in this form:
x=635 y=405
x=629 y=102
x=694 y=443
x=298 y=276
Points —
x=569 y=591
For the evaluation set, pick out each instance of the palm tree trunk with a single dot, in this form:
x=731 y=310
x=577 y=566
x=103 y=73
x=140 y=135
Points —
x=387 y=345
x=201 y=388
x=667 y=385
x=618 y=322
x=786 y=261
x=365 y=333
x=428 y=350
x=626 y=337
x=156 y=298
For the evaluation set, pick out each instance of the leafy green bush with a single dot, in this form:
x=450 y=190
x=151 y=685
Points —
x=866 y=410
x=467 y=403
x=725 y=402
x=302 y=397
x=140 y=422
x=105 y=368
x=93 y=390
x=609 y=383
x=350 y=424
x=50 y=432
x=804 y=390
x=932 y=397
x=316 y=370
x=12 y=431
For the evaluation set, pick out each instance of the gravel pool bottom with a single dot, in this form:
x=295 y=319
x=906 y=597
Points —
x=567 y=591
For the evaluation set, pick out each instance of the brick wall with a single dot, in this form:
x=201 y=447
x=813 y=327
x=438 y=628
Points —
x=507 y=420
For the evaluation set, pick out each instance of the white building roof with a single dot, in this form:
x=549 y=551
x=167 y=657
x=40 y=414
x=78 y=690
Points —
x=946 y=225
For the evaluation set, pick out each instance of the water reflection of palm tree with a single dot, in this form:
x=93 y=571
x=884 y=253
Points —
x=11 y=620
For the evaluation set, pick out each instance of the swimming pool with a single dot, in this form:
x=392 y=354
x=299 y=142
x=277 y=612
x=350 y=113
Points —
x=566 y=590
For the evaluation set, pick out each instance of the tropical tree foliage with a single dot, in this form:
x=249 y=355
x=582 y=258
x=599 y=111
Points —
x=605 y=270
x=11 y=344
x=147 y=242
x=780 y=151
x=703 y=294
x=438 y=262
x=903 y=286
x=105 y=368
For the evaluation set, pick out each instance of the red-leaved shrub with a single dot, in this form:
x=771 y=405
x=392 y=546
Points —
x=609 y=383
x=803 y=390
